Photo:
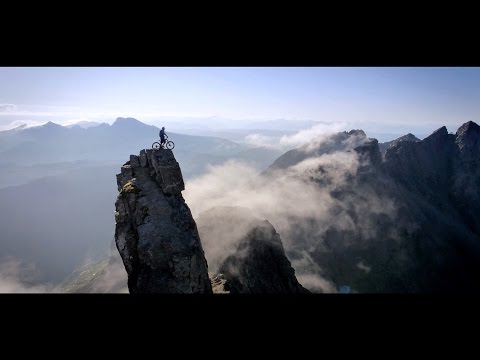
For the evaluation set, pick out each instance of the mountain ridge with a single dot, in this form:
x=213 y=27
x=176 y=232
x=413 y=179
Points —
x=433 y=185
x=412 y=216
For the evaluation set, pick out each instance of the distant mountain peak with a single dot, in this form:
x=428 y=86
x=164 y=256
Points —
x=15 y=129
x=126 y=121
x=371 y=151
x=50 y=124
x=84 y=124
x=411 y=137
x=357 y=132
x=18 y=128
x=469 y=126
x=394 y=143
x=468 y=139
x=437 y=138
x=439 y=132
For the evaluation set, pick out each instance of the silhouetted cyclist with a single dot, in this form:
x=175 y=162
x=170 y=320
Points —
x=162 y=136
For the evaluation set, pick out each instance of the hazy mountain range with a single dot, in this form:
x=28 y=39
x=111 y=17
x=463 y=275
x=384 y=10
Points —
x=352 y=213
x=52 y=145
x=56 y=186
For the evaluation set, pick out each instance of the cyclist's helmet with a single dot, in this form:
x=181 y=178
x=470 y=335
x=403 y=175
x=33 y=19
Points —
x=163 y=127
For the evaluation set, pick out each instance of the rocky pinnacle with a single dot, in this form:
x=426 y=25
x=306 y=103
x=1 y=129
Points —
x=155 y=233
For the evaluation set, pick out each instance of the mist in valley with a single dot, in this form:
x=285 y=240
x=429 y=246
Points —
x=57 y=216
x=294 y=146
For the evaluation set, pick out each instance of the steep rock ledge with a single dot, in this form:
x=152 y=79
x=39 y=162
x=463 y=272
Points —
x=155 y=233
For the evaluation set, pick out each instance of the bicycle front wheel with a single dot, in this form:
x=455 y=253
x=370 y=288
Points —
x=170 y=145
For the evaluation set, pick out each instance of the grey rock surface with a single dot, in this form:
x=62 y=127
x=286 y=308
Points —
x=155 y=233
x=413 y=218
x=246 y=253
x=386 y=145
x=465 y=188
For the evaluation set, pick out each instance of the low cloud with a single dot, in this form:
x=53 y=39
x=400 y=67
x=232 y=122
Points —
x=314 y=133
x=74 y=121
x=262 y=141
x=17 y=276
x=105 y=276
x=220 y=238
x=315 y=283
x=301 y=202
x=283 y=199
x=113 y=278
x=309 y=274
x=17 y=123
x=313 y=136
x=109 y=283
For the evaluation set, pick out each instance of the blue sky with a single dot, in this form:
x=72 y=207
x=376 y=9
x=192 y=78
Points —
x=388 y=100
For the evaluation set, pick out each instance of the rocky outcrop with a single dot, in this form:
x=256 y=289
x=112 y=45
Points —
x=260 y=265
x=155 y=233
x=369 y=152
x=386 y=145
x=466 y=167
x=442 y=167
x=424 y=167
x=248 y=257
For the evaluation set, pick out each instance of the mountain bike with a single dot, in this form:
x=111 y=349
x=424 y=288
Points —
x=166 y=145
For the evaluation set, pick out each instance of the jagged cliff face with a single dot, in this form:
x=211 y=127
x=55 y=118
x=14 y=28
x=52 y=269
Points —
x=444 y=169
x=466 y=166
x=442 y=179
x=260 y=265
x=386 y=145
x=430 y=238
x=155 y=233
x=246 y=254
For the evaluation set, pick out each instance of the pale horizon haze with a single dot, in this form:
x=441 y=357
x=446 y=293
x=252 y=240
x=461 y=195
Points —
x=385 y=99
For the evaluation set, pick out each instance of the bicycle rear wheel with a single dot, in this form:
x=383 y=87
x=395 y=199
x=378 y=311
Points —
x=169 y=145
x=156 y=145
